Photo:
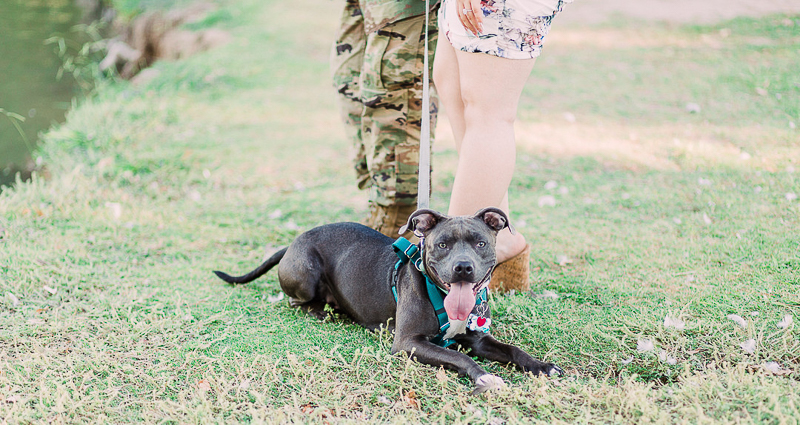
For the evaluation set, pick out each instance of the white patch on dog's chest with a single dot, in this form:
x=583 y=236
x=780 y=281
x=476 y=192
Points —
x=457 y=327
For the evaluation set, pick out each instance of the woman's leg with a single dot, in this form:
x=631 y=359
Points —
x=448 y=87
x=490 y=88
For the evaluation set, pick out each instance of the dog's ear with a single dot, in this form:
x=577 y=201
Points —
x=495 y=218
x=422 y=221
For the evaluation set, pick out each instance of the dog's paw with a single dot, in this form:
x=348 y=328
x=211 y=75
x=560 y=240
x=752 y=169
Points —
x=547 y=369
x=555 y=371
x=488 y=382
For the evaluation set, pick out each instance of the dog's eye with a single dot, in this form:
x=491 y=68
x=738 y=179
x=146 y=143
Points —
x=481 y=244
x=442 y=245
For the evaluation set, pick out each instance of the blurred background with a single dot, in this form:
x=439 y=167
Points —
x=41 y=39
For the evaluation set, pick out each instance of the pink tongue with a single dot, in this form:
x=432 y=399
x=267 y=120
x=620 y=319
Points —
x=460 y=301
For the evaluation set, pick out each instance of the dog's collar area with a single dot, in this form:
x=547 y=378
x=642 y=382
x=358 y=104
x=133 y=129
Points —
x=408 y=252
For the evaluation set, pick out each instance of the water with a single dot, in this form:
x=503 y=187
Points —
x=28 y=69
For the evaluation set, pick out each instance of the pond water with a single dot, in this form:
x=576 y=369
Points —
x=28 y=71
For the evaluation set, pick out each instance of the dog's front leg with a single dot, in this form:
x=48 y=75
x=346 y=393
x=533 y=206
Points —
x=484 y=345
x=424 y=351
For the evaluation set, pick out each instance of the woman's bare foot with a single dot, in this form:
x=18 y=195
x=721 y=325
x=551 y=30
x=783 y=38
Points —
x=508 y=245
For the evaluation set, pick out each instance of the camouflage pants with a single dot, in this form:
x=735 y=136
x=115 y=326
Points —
x=379 y=80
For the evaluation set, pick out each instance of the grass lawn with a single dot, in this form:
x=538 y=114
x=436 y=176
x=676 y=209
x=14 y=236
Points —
x=658 y=176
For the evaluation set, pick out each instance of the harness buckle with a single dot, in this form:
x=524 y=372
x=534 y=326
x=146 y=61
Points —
x=418 y=264
x=413 y=250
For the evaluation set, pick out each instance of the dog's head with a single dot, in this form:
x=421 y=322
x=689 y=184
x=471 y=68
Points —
x=458 y=252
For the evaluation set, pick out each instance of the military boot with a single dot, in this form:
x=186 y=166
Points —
x=389 y=220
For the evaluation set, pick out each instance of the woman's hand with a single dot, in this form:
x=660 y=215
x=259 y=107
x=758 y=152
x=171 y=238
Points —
x=470 y=15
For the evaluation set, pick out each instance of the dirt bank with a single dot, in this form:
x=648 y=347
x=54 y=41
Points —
x=158 y=35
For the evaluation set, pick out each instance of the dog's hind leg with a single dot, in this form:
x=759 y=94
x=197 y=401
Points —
x=301 y=279
x=313 y=308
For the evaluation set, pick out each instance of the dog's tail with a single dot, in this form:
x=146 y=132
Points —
x=255 y=274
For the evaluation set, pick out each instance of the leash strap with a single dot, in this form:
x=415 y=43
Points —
x=424 y=174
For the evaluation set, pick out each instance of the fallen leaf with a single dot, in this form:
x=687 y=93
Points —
x=384 y=400
x=791 y=196
x=749 y=346
x=194 y=195
x=706 y=219
x=116 y=209
x=547 y=201
x=644 y=345
x=410 y=399
x=105 y=163
x=14 y=300
x=739 y=320
x=678 y=324
x=563 y=260
x=486 y=383
x=664 y=357
x=275 y=214
x=245 y=384
x=775 y=368
x=628 y=360
x=547 y=294
x=204 y=385
x=441 y=376
x=275 y=298
x=52 y=291
x=786 y=322
x=550 y=185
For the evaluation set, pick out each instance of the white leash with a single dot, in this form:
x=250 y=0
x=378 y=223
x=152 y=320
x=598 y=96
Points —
x=424 y=187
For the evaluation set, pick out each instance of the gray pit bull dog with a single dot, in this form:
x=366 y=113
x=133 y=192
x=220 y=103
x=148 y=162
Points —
x=350 y=267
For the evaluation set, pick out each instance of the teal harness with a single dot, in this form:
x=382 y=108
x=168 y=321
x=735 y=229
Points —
x=408 y=252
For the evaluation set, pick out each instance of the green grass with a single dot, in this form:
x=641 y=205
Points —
x=231 y=153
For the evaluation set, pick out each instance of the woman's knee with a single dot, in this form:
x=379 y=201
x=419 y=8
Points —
x=476 y=111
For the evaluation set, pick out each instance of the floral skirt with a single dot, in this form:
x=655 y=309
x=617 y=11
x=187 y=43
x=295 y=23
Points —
x=512 y=29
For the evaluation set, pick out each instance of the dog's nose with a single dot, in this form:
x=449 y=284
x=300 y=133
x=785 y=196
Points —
x=463 y=268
